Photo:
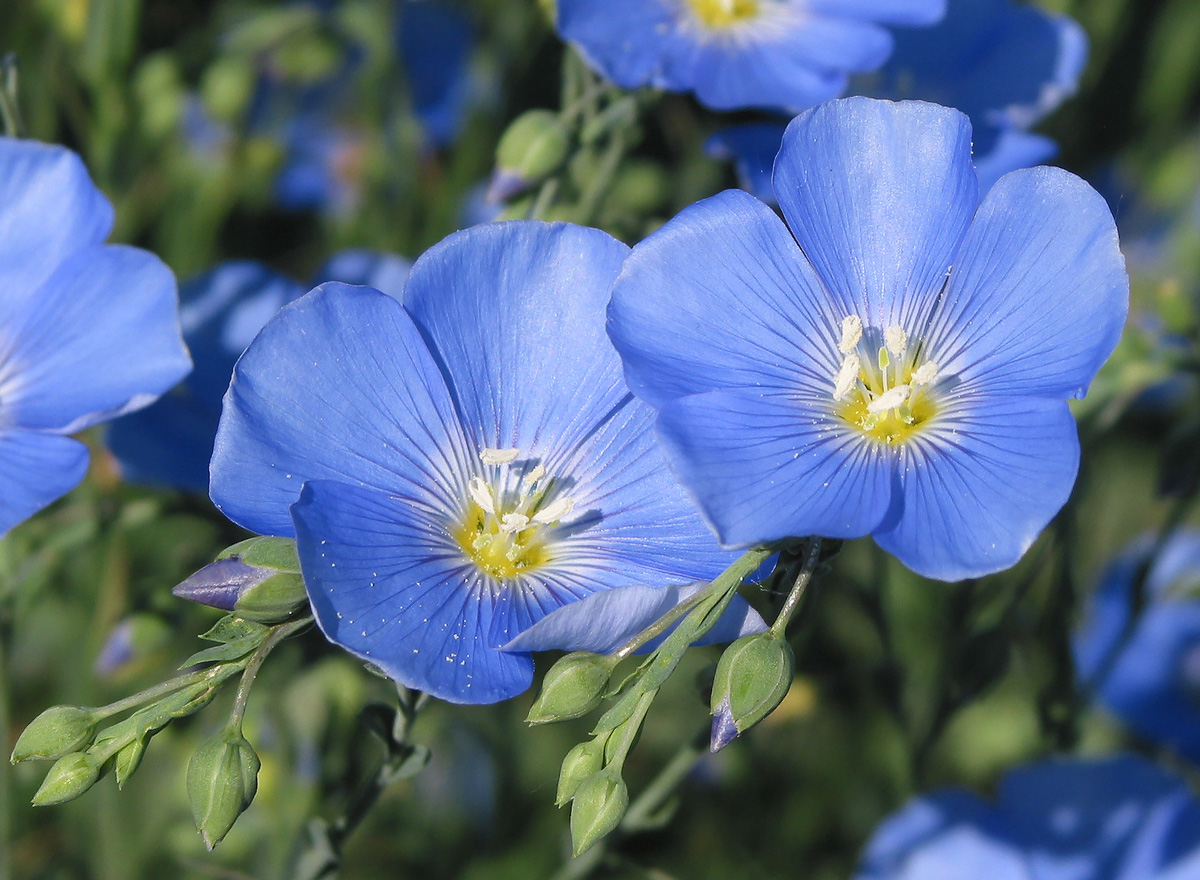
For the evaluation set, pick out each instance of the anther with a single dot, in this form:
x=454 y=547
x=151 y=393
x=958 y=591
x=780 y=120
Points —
x=851 y=333
x=890 y=399
x=847 y=376
x=925 y=373
x=513 y=522
x=896 y=340
x=498 y=456
x=555 y=511
x=481 y=494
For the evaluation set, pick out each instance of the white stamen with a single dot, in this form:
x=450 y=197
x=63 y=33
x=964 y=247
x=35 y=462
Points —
x=555 y=511
x=896 y=340
x=846 y=376
x=535 y=474
x=925 y=373
x=851 y=333
x=890 y=399
x=513 y=522
x=498 y=456
x=481 y=494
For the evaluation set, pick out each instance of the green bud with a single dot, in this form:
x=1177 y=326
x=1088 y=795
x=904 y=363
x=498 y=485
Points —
x=58 y=731
x=530 y=150
x=70 y=777
x=583 y=761
x=222 y=780
x=599 y=805
x=753 y=677
x=128 y=759
x=573 y=687
x=258 y=579
x=227 y=87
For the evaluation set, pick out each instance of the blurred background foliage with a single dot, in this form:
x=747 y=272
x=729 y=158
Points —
x=183 y=112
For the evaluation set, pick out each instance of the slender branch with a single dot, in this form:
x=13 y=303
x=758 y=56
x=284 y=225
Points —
x=812 y=556
x=277 y=635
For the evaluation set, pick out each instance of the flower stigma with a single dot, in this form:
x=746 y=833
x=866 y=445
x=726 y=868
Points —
x=724 y=13
x=504 y=529
x=886 y=391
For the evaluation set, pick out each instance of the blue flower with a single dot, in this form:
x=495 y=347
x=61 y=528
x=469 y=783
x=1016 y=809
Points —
x=1006 y=65
x=87 y=330
x=1119 y=818
x=1146 y=670
x=895 y=361
x=789 y=54
x=222 y=310
x=470 y=460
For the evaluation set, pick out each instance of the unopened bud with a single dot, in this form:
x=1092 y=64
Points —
x=258 y=579
x=599 y=805
x=583 y=761
x=574 y=686
x=753 y=677
x=222 y=780
x=530 y=150
x=70 y=777
x=58 y=731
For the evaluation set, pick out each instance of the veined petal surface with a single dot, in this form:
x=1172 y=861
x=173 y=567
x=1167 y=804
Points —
x=36 y=469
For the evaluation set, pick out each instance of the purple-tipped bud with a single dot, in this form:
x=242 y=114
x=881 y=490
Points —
x=220 y=584
x=724 y=729
x=530 y=150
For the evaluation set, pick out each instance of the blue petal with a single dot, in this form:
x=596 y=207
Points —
x=98 y=338
x=620 y=38
x=752 y=148
x=768 y=467
x=387 y=584
x=604 y=621
x=49 y=208
x=339 y=385
x=383 y=271
x=435 y=43
x=515 y=314
x=168 y=443
x=980 y=486
x=904 y=12
x=1039 y=294
x=36 y=469
x=671 y=315
x=879 y=220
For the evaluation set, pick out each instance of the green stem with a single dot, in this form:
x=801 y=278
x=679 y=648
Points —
x=10 y=110
x=601 y=183
x=812 y=556
x=212 y=675
x=5 y=767
x=277 y=635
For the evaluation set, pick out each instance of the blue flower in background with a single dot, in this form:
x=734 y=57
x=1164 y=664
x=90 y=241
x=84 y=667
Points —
x=1005 y=64
x=171 y=442
x=1146 y=670
x=87 y=330
x=456 y=467
x=435 y=43
x=1117 y=818
x=895 y=361
x=787 y=54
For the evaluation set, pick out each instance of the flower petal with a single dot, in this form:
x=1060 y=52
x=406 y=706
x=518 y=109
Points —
x=981 y=485
x=671 y=317
x=604 y=621
x=905 y=12
x=515 y=315
x=879 y=196
x=36 y=469
x=765 y=468
x=387 y=585
x=339 y=385
x=623 y=39
x=1011 y=150
x=1039 y=294
x=383 y=271
x=51 y=209
x=98 y=338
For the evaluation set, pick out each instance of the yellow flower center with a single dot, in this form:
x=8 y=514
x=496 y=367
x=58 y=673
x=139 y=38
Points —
x=723 y=13
x=886 y=391
x=505 y=531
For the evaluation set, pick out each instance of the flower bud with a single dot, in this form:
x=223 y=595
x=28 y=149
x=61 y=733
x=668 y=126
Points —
x=599 y=805
x=573 y=687
x=530 y=150
x=258 y=579
x=222 y=780
x=585 y=760
x=70 y=777
x=58 y=731
x=753 y=677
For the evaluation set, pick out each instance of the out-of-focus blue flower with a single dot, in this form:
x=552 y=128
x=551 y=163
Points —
x=456 y=467
x=895 y=361
x=1005 y=64
x=435 y=42
x=88 y=331
x=1146 y=670
x=785 y=54
x=1118 y=818
x=222 y=310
